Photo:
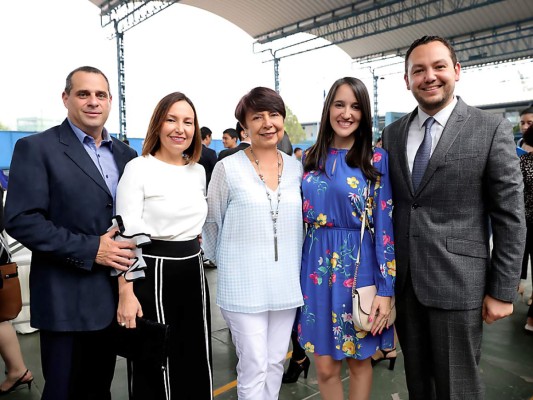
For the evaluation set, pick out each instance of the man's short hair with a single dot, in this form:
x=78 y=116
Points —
x=206 y=132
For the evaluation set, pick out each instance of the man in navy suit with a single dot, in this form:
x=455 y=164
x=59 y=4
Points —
x=209 y=156
x=449 y=278
x=59 y=205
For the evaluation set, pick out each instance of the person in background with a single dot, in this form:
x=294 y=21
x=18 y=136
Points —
x=59 y=205
x=285 y=144
x=161 y=194
x=379 y=142
x=244 y=142
x=454 y=172
x=260 y=214
x=17 y=372
x=526 y=166
x=230 y=138
x=299 y=362
x=4 y=179
x=298 y=153
x=342 y=174
x=209 y=156
x=529 y=321
x=526 y=120
x=208 y=160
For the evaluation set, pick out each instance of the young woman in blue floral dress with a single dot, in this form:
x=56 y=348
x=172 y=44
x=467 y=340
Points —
x=337 y=169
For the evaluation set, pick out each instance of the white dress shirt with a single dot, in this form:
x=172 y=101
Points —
x=417 y=130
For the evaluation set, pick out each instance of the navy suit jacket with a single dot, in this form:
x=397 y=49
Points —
x=228 y=152
x=208 y=159
x=58 y=205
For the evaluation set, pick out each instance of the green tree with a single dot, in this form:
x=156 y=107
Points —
x=3 y=127
x=293 y=127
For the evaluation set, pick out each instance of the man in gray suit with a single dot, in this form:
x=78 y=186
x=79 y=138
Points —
x=448 y=281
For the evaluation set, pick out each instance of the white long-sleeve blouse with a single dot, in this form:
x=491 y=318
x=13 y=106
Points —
x=163 y=200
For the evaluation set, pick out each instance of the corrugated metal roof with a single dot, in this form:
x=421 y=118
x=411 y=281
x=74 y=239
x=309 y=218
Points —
x=257 y=18
x=482 y=31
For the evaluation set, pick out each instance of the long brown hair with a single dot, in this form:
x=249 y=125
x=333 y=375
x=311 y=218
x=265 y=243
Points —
x=152 y=143
x=360 y=154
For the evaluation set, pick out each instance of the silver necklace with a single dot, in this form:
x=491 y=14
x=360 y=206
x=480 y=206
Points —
x=273 y=212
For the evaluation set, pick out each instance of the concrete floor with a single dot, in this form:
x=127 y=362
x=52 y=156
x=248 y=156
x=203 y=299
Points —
x=506 y=364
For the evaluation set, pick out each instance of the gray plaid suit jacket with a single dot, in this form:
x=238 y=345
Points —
x=442 y=230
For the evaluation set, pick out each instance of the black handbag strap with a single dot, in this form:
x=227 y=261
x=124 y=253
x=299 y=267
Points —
x=5 y=253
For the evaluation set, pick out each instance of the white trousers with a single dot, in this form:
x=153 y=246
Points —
x=261 y=341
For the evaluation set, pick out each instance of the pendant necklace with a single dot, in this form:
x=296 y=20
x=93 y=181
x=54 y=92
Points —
x=273 y=212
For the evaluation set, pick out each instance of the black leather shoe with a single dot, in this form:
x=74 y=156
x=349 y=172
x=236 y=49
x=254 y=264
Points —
x=295 y=369
x=385 y=355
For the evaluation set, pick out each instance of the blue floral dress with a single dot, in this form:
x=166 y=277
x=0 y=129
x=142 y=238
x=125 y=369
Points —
x=332 y=209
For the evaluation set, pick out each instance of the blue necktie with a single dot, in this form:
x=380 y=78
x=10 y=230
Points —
x=422 y=155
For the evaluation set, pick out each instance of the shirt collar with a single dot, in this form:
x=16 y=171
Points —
x=441 y=117
x=106 y=137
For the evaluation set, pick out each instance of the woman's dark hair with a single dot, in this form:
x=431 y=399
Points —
x=240 y=131
x=528 y=136
x=152 y=143
x=528 y=110
x=360 y=154
x=257 y=100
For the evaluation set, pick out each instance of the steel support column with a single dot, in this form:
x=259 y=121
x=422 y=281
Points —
x=375 y=119
x=121 y=83
x=276 y=74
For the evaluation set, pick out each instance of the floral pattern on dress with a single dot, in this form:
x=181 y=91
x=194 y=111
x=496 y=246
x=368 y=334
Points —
x=333 y=206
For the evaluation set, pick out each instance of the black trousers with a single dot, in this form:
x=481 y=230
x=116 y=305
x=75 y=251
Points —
x=528 y=253
x=77 y=365
x=175 y=292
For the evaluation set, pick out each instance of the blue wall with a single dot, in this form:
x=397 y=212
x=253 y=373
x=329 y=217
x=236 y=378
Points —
x=7 y=144
x=137 y=144
x=9 y=138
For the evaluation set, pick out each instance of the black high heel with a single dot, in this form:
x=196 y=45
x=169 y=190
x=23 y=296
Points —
x=17 y=384
x=295 y=369
x=387 y=355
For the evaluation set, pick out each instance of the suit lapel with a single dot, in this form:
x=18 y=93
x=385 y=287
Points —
x=402 y=149
x=76 y=152
x=120 y=156
x=452 y=129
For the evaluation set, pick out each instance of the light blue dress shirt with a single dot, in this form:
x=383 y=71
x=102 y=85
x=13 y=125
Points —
x=102 y=157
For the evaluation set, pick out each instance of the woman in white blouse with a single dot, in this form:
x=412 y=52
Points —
x=254 y=232
x=162 y=194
